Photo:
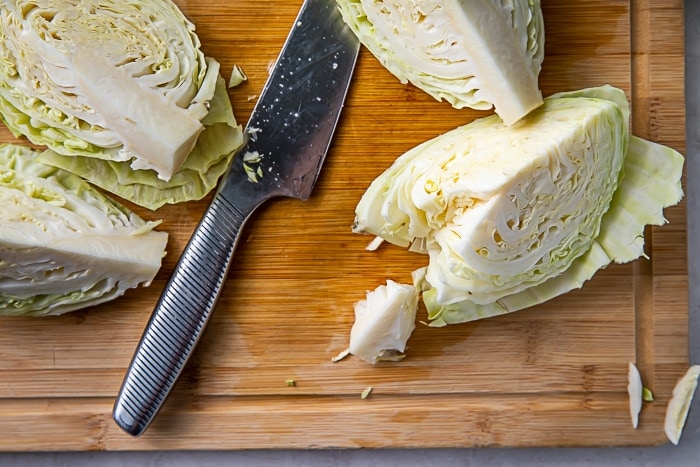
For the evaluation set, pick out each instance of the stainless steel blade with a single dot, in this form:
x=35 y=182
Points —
x=291 y=126
x=290 y=131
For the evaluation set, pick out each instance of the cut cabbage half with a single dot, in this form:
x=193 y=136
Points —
x=511 y=216
x=64 y=245
x=471 y=53
x=121 y=82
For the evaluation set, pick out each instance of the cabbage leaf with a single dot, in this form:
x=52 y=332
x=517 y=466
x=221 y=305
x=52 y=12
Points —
x=64 y=245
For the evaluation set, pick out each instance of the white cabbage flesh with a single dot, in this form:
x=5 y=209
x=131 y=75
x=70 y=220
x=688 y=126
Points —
x=679 y=405
x=471 y=53
x=113 y=80
x=384 y=321
x=513 y=216
x=634 y=392
x=209 y=159
x=64 y=245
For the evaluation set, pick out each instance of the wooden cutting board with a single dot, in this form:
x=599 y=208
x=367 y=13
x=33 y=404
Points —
x=553 y=375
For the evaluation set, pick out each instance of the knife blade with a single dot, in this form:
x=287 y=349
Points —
x=290 y=131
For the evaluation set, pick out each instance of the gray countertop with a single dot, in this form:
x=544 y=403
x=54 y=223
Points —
x=687 y=453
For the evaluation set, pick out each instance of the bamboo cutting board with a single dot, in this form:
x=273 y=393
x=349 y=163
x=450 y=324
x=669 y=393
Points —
x=553 y=375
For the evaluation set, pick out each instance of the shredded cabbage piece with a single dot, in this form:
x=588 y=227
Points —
x=384 y=321
x=123 y=84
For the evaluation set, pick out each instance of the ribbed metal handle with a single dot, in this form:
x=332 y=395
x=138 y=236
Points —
x=179 y=317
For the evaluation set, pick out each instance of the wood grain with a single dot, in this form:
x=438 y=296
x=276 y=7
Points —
x=553 y=375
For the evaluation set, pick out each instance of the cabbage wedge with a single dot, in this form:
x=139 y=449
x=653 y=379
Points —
x=471 y=53
x=512 y=216
x=122 y=87
x=63 y=245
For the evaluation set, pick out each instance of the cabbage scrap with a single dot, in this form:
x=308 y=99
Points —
x=679 y=406
x=471 y=53
x=122 y=84
x=512 y=216
x=384 y=321
x=63 y=245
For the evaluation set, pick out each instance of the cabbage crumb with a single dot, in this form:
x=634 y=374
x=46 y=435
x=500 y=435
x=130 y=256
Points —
x=251 y=173
x=341 y=356
x=237 y=77
x=374 y=244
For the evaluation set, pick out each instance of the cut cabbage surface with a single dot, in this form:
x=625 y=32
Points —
x=471 y=53
x=511 y=216
x=123 y=84
x=64 y=245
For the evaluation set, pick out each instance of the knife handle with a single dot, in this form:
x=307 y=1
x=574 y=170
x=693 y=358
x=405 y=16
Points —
x=179 y=317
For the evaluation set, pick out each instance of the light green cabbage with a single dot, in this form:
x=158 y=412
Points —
x=471 y=53
x=513 y=216
x=64 y=245
x=122 y=84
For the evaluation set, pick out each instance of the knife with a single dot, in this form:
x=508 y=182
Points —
x=289 y=133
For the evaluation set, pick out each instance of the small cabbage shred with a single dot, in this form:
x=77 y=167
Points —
x=679 y=405
x=634 y=392
x=64 y=245
x=512 y=216
x=476 y=53
x=120 y=93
